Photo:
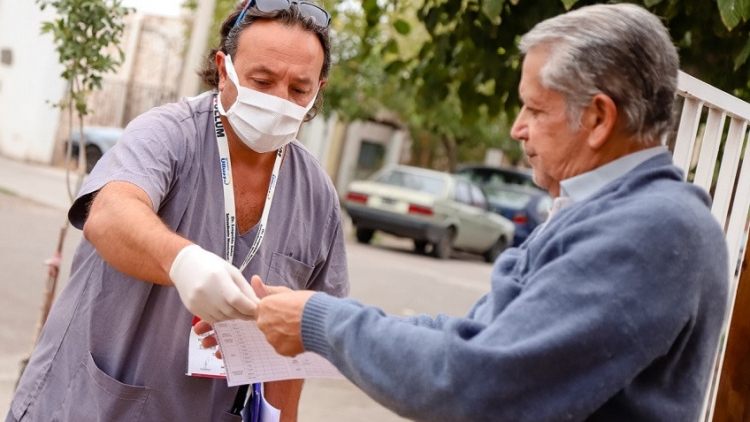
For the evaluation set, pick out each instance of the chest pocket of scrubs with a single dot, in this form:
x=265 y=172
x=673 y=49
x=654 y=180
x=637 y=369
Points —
x=287 y=271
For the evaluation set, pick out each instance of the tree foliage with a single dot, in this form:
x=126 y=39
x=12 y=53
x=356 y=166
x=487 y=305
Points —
x=470 y=57
x=87 y=35
x=473 y=43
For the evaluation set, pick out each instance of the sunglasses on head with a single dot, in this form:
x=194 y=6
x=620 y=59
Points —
x=308 y=10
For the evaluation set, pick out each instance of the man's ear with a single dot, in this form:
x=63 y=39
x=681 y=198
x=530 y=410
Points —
x=599 y=119
x=220 y=57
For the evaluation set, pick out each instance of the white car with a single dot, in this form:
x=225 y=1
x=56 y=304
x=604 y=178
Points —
x=436 y=209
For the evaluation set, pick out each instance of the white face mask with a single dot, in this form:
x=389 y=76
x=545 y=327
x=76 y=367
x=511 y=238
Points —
x=263 y=122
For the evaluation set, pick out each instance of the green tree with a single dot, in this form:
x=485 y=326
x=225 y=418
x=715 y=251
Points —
x=471 y=49
x=86 y=34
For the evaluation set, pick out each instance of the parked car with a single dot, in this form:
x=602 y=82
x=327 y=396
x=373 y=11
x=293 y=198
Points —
x=99 y=139
x=484 y=174
x=527 y=207
x=437 y=210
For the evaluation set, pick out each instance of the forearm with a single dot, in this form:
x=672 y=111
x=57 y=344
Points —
x=398 y=364
x=127 y=233
x=284 y=395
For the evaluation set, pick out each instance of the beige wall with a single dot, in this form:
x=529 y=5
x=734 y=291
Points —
x=337 y=145
x=154 y=61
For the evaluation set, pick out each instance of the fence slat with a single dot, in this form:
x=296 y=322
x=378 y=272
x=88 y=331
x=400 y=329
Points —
x=687 y=133
x=728 y=171
x=704 y=172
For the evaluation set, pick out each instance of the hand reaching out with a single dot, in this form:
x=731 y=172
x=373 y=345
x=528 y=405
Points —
x=260 y=289
x=211 y=288
x=280 y=318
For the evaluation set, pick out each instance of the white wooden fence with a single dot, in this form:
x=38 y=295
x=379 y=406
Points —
x=711 y=157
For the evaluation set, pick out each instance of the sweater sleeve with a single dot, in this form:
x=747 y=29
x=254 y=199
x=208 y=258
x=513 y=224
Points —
x=589 y=313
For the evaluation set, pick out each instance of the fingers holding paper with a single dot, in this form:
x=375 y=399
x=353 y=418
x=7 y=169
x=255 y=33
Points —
x=280 y=327
x=206 y=333
x=280 y=319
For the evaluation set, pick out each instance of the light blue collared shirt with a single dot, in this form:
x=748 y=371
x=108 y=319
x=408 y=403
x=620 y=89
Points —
x=586 y=184
x=580 y=187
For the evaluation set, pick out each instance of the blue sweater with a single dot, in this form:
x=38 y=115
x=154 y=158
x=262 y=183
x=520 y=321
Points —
x=611 y=313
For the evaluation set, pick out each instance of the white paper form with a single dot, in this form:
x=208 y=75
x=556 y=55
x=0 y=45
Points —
x=248 y=358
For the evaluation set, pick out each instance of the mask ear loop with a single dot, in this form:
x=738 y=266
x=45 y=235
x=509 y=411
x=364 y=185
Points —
x=231 y=73
x=232 y=76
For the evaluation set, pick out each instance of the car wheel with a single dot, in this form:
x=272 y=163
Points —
x=420 y=246
x=93 y=154
x=443 y=248
x=496 y=249
x=364 y=235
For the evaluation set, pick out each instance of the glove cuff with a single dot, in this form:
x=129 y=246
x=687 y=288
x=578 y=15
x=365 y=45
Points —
x=181 y=258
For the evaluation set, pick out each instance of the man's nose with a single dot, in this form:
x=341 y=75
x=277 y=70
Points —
x=281 y=93
x=519 y=130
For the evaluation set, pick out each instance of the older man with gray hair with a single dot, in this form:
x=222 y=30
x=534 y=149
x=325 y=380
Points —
x=609 y=312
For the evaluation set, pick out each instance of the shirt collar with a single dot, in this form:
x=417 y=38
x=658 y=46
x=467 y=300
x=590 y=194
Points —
x=586 y=184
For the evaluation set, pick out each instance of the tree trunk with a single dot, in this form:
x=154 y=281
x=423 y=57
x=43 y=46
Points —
x=450 y=152
x=48 y=297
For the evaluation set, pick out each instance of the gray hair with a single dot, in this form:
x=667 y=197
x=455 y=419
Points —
x=620 y=50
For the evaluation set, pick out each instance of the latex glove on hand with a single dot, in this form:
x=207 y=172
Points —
x=210 y=287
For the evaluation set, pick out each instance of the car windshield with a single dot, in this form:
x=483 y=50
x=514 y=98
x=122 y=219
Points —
x=422 y=183
x=485 y=176
x=507 y=198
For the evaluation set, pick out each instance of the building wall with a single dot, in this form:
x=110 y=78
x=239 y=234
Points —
x=359 y=133
x=338 y=146
x=157 y=66
x=148 y=77
x=29 y=82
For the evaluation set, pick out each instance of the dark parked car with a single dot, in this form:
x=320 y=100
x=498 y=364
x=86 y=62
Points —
x=484 y=174
x=99 y=139
x=526 y=207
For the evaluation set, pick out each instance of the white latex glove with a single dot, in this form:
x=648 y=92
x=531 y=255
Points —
x=210 y=287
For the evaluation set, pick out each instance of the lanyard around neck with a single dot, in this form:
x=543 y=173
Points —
x=230 y=213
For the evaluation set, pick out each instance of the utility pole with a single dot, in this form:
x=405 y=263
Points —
x=204 y=15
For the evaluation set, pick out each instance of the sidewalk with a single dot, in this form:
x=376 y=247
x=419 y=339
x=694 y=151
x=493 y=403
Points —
x=39 y=183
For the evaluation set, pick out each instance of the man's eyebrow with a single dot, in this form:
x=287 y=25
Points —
x=304 y=80
x=260 y=69
x=265 y=70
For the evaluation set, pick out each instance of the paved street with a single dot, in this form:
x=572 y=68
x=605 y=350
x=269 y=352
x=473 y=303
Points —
x=387 y=274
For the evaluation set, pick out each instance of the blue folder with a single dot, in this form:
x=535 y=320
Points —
x=252 y=409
